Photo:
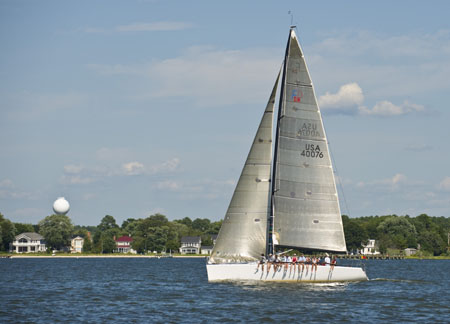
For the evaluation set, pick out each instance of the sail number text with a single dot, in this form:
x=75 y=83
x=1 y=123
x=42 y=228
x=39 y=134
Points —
x=308 y=129
x=313 y=151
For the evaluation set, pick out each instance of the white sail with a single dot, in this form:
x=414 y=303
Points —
x=242 y=236
x=306 y=206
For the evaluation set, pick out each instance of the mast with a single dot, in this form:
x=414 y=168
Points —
x=270 y=220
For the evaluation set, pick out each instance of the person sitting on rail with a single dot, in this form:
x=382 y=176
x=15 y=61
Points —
x=314 y=263
x=305 y=263
x=327 y=259
x=294 y=261
x=288 y=261
x=333 y=262
x=277 y=263
x=261 y=262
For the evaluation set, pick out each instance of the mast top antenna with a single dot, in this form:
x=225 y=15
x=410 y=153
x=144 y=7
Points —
x=292 y=19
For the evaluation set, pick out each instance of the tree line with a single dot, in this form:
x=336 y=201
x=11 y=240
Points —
x=154 y=233
x=428 y=233
x=157 y=233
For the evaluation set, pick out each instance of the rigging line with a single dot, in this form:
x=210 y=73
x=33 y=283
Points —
x=340 y=180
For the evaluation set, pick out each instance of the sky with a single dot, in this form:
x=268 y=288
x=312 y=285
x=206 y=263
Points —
x=130 y=108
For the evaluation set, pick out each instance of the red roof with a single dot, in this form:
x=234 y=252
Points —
x=124 y=238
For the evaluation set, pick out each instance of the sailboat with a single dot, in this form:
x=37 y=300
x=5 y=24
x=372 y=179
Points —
x=287 y=199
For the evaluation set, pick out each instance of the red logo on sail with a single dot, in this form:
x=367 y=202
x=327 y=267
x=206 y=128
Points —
x=297 y=95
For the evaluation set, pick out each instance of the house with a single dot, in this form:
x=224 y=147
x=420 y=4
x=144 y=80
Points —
x=410 y=251
x=123 y=244
x=190 y=244
x=206 y=249
x=28 y=243
x=76 y=244
x=370 y=248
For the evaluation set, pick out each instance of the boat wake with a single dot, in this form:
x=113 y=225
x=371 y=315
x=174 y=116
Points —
x=400 y=280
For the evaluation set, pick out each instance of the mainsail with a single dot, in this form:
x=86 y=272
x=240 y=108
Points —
x=305 y=202
x=242 y=236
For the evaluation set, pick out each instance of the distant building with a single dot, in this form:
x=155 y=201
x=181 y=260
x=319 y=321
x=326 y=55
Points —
x=123 y=244
x=410 y=251
x=28 y=243
x=206 y=249
x=76 y=244
x=214 y=238
x=190 y=244
x=370 y=248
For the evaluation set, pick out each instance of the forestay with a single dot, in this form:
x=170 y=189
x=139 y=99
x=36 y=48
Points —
x=242 y=236
x=306 y=206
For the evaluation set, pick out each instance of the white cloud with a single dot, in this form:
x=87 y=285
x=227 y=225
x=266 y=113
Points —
x=386 y=109
x=78 y=175
x=208 y=76
x=154 y=26
x=169 y=165
x=73 y=169
x=347 y=99
x=158 y=26
x=417 y=147
x=6 y=183
x=169 y=185
x=445 y=184
x=216 y=77
x=28 y=106
x=77 y=179
x=385 y=66
x=388 y=183
x=133 y=168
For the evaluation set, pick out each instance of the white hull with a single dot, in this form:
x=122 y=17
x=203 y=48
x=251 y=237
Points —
x=248 y=272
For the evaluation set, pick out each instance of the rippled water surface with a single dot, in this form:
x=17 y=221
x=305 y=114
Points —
x=138 y=290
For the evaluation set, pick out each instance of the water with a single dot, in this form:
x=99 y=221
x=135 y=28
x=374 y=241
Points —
x=176 y=290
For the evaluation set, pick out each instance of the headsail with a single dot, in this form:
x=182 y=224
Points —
x=306 y=206
x=242 y=236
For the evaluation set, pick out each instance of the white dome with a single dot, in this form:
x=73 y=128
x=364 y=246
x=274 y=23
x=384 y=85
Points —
x=61 y=206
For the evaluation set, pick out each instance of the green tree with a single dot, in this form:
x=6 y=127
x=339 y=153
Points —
x=156 y=220
x=57 y=231
x=201 y=224
x=7 y=233
x=24 y=228
x=109 y=245
x=186 y=221
x=108 y=222
x=355 y=234
x=397 y=232
x=214 y=228
x=157 y=238
x=87 y=245
x=126 y=222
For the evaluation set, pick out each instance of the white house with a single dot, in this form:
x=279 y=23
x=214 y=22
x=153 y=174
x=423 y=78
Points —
x=76 y=244
x=410 y=251
x=28 y=243
x=370 y=248
x=206 y=249
x=190 y=244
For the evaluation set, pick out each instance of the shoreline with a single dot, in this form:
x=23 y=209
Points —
x=75 y=256
x=97 y=256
